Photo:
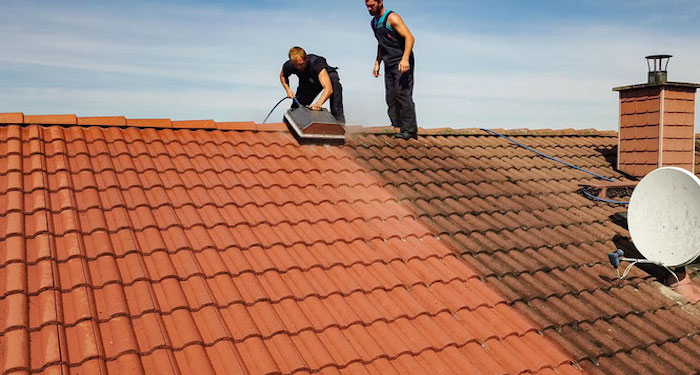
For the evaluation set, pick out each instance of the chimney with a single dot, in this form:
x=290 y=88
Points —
x=657 y=122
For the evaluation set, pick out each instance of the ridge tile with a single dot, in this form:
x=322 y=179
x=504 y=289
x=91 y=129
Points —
x=12 y=118
x=103 y=121
x=51 y=119
x=149 y=123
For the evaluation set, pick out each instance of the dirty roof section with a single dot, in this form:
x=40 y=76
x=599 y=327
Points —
x=518 y=220
x=139 y=246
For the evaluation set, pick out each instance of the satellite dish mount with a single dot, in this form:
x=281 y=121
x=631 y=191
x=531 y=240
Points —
x=664 y=220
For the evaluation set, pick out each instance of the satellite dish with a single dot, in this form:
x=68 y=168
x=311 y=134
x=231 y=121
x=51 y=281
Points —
x=664 y=216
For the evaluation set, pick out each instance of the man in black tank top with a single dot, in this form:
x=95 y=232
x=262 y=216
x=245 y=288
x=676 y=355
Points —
x=395 y=49
x=315 y=76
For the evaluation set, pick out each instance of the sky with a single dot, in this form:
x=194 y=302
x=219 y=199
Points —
x=495 y=64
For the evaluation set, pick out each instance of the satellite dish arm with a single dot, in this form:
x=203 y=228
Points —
x=617 y=256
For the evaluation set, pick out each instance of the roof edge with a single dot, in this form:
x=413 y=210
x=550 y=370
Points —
x=478 y=131
x=19 y=118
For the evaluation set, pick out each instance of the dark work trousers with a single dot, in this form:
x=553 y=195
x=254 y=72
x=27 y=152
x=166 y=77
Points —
x=399 y=98
x=307 y=93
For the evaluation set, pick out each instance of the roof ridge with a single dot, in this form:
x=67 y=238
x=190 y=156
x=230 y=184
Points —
x=479 y=131
x=20 y=118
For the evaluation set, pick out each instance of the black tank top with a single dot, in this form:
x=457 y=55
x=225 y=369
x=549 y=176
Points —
x=391 y=44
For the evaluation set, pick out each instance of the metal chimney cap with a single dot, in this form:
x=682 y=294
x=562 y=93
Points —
x=658 y=75
x=658 y=56
x=658 y=61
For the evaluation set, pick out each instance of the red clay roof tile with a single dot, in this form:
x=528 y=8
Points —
x=12 y=118
x=248 y=125
x=194 y=124
x=241 y=251
x=103 y=121
x=150 y=123
x=51 y=119
x=274 y=127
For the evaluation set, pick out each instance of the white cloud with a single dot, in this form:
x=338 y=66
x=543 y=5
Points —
x=559 y=77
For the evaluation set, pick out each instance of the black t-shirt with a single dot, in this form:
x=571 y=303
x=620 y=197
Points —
x=308 y=76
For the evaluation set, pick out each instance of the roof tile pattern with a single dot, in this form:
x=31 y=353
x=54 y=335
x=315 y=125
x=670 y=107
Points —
x=126 y=250
x=519 y=222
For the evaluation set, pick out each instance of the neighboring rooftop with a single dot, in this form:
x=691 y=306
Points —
x=158 y=246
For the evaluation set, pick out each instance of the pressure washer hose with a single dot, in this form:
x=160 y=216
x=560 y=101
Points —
x=587 y=194
x=278 y=103
x=515 y=142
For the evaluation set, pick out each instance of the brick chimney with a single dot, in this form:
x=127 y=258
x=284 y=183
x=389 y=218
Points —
x=657 y=122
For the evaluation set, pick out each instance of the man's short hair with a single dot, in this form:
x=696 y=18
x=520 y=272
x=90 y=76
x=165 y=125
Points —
x=297 y=52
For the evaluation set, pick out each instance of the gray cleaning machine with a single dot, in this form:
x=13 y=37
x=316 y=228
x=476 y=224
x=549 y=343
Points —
x=310 y=124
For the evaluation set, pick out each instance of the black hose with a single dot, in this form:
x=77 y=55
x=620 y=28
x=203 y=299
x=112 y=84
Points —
x=547 y=156
x=273 y=109
x=591 y=196
x=278 y=103
x=583 y=191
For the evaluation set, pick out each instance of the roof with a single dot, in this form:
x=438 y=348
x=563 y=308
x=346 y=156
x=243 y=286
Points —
x=138 y=247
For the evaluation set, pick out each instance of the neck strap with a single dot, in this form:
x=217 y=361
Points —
x=382 y=20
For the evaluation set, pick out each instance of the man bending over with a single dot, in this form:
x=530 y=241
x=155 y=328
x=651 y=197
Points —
x=315 y=76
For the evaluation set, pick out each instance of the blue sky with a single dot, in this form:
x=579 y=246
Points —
x=510 y=64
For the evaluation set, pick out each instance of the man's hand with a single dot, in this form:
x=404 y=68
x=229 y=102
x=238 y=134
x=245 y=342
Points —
x=315 y=107
x=290 y=93
x=375 y=70
x=404 y=66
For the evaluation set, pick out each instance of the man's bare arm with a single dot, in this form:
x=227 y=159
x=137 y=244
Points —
x=377 y=62
x=397 y=24
x=285 y=83
x=325 y=80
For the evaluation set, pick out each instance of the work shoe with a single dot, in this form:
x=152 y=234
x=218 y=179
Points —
x=406 y=135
